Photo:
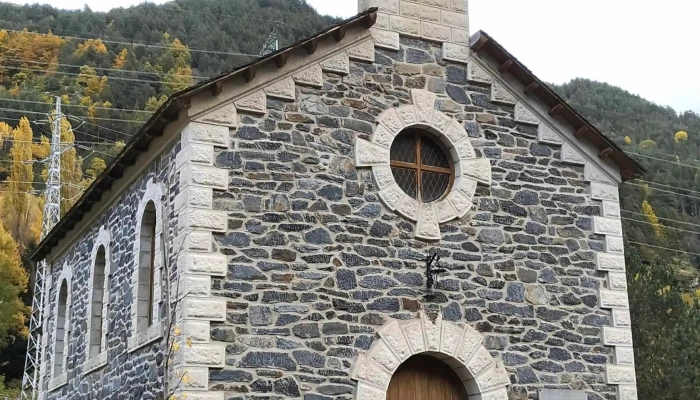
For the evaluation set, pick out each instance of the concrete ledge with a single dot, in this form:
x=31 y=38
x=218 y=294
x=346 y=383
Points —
x=95 y=363
x=142 y=339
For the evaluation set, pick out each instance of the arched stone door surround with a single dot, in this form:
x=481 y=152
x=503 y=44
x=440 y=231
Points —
x=458 y=345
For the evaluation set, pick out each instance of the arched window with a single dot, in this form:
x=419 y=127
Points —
x=146 y=268
x=100 y=294
x=62 y=319
x=146 y=285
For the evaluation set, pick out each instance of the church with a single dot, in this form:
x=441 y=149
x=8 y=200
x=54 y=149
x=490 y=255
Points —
x=391 y=209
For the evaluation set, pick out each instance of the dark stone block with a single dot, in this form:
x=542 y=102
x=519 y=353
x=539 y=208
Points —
x=266 y=359
x=458 y=94
x=306 y=331
x=456 y=74
x=229 y=375
x=415 y=56
x=246 y=273
x=318 y=236
x=548 y=366
x=309 y=358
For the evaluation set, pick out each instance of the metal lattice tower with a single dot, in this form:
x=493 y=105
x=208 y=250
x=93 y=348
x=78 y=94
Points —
x=272 y=42
x=33 y=378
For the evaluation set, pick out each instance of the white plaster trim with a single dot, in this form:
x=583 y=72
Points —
x=154 y=192
x=458 y=345
x=103 y=239
x=469 y=170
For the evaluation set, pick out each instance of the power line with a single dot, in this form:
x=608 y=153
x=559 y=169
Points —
x=669 y=186
x=663 y=191
x=97 y=126
x=94 y=76
x=100 y=68
x=661 y=159
x=664 y=248
x=664 y=219
x=151 y=45
x=23 y=111
x=664 y=227
x=74 y=105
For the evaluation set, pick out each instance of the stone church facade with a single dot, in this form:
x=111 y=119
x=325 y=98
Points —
x=303 y=226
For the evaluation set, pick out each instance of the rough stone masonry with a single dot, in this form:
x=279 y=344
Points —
x=299 y=274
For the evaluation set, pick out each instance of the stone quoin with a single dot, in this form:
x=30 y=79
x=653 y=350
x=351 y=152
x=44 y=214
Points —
x=267 y=236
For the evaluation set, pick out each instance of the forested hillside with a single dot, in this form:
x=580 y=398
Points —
x=113 y=69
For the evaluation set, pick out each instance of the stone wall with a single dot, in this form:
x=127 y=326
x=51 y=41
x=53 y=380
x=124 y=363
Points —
x=317 y=264
x=127 y=374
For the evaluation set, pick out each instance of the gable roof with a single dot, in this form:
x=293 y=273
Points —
x=169 y=112
x=483 y=43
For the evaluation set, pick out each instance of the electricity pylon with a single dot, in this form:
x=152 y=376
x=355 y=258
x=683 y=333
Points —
x=34 y=368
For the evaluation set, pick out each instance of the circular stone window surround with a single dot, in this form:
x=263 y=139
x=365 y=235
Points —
x=376 y=154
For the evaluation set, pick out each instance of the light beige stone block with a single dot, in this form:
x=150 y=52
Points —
x=620 y=375
x=456 y=19
x=284 y=89
x=201 y=175
x=436 y=32
x=255 y=102
x=500 y=94
x=627 y=393
x=617 y=281
x=367 y=370
x=419 y=11
x=226 y=115
x=455 y=52
x=571 y=155
x=363 y=51
x=405 y=26
x=607 y=226
x=212 y=309
x=194 y=196
x=213 y=264
x=624 y=355
x=592 y=173
x=621 y=318
x=311 y=76
x=203 y=219
x=196 y=331
x=617 y=336
x=368 y=154
x=339 y=63
x=393 y=335
x=385 y=39
x=196 y=132
x=413 y=331
x=206 y=355
x=476 y=73
x=428 y=228
x=614 y=244
x=611 y=209
x=610 y=262
x=451 y=335
x=384 y=356
x=602 y=191
x=524 y=115
x=614 y=299
x=547 y=134
x=460 y=36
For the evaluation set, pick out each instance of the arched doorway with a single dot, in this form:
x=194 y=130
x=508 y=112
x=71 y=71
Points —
x=423 y=377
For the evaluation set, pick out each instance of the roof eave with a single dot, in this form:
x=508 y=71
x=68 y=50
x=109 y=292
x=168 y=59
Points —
x=169 y=112
x=481 y=42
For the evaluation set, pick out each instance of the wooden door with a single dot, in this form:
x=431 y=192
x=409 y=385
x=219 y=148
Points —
x=425 y=378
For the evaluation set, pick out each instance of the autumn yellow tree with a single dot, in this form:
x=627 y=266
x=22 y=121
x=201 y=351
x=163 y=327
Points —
x=681 y=136
x=628 y=140
x=23 y=49
x=71 y=169
x=13 y=282
x=20 y=209
x=647 y=144
x=651 y=217
x=91 y=44
x=91 y=83
x=177 y=59
x=120 y=60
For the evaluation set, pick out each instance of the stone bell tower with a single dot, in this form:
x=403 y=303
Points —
x=443 y=21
